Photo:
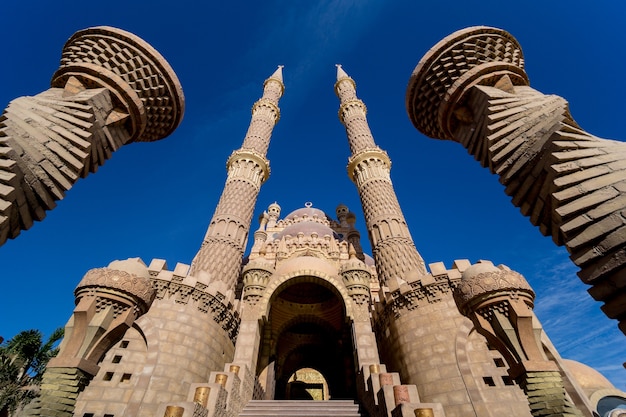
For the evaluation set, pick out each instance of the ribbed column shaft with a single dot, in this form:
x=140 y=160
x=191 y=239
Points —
x=369 y=167
x=222 y=250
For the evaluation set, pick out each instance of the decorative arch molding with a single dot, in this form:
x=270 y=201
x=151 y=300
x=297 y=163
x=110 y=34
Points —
x=333 y=283
x=307 y=318
x=463 y=362
x=602 y=393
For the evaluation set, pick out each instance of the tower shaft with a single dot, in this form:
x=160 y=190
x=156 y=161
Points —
x=222 y=249
x=369 y=168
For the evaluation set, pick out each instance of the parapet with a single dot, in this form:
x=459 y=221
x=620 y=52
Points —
x=214 y=299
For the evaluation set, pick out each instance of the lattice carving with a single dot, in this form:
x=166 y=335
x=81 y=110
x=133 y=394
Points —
x=369 y=166
x=222 y=250
x=123 y=286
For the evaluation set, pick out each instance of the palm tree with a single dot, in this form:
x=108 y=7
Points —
x=23 y=360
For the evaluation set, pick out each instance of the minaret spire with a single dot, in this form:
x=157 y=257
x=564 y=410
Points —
x=221 y=253
x=369 y=168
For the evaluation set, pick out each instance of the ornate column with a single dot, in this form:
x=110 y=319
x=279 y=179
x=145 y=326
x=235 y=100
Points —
x=499 y=302
x=221 y=253
x=472 y=88
x=111 y=88
x=368 y=167
x=356 y=278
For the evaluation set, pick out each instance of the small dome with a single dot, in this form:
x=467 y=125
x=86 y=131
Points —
x=479 y=268
x=133 y=266
x=273 y=208
x=307 y=228
x=483 y=278
x=306 y=211
x=588 y=378
x=341 y=209
x=258 y=263
x=130 y=277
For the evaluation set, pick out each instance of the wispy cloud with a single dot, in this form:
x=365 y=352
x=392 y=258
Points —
x=312 y=33
x=574 y=321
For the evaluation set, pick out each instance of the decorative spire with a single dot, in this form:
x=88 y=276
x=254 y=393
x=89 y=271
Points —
x=341 y=74
x=277 y=75
x=369 y=168
x=221 y=252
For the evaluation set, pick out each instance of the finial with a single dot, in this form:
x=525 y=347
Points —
x=341 y=74
x=278 y=77
x=308 y=204
x=351 y=251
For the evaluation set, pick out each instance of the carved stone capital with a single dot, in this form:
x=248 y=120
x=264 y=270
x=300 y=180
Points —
x=140 y=78
x=121 y=285
x=477 y=55
x=250 y=155
x=373 y=154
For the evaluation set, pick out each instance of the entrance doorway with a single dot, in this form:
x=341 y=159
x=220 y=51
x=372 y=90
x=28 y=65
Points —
x=307 y=384
x=307 y=341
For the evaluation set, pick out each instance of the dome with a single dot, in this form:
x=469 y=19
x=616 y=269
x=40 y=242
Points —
x=307 y=228
x=258 y=263
x=133 y=266
x=588 y=378
x=306 y=211
x=369 y=261
x=483 y=279
x=129 y=279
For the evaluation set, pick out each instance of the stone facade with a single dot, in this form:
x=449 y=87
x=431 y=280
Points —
x=306 y=314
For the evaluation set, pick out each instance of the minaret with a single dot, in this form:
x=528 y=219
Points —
x=220 y=256
x=368 y=167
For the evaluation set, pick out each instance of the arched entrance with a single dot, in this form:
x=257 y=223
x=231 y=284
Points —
x=307 y=384
x=307 y=327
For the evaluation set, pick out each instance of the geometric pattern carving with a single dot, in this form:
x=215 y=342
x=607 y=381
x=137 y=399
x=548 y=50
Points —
x=221 y=252
x=207 y=300
x=491 y=283
x=97 y=281
x=393 y=249
x=467 y=57
x=543 y=388
x=138 y=76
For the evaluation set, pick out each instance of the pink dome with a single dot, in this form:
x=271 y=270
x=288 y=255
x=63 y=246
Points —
x=307 y=228
x=306 y=211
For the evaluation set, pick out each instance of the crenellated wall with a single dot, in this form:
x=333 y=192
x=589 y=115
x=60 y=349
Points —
x=423 y=336
x=188 y=332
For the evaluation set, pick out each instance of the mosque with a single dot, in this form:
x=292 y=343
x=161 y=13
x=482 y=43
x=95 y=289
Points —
x=305 y=323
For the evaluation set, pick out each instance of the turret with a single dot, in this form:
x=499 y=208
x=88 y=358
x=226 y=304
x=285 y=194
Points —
x=499 y=302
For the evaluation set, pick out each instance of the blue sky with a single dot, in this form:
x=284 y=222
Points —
x=154 y=200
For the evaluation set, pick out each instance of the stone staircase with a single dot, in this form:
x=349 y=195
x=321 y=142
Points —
x=301 y=408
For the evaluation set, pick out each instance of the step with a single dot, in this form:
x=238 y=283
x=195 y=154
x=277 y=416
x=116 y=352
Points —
x=301 y=408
